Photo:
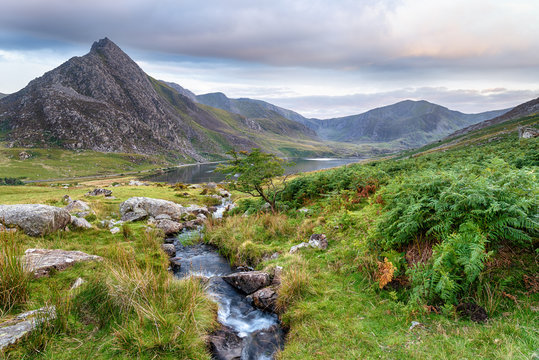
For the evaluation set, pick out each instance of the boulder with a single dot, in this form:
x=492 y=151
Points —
x=80 y=223
x=115 y=230
x=169 y=249
x=137 y=208
x=34 y=219
x=13 y=330
x=248 y=282
x=225 y=344
x=318 y=241
x=137 y=183
x=169 y=227
x=197 y=210
x=265 y=298
x=42 y=261
x=67 y=199
x=210 y=185
x=528 y=132
x=79 y=208
x=23 y=155
x=99 y=192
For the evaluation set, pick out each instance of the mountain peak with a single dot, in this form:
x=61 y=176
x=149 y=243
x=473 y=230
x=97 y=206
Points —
x=103 y=45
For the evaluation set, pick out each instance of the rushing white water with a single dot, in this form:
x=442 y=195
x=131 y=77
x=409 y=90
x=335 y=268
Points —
x=259 y=330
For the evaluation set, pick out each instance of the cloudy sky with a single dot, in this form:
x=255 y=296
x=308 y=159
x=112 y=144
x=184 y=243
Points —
x=321 y=58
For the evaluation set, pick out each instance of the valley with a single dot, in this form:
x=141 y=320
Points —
x=139 y=220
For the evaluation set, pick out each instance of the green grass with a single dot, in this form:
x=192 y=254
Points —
x=129 y=307
x=58 y=164
x=331 y=300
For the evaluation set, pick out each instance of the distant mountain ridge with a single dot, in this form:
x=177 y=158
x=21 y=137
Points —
x=528 y=108
x=408 y=123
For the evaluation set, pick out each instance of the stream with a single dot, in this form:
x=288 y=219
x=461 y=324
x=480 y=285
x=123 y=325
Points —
x=247 y=333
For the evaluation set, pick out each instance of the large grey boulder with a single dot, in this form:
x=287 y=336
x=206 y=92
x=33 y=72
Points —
x=42 y=261
x=138 y=208
x=14 y=329
x=248 y=281
x=34 y=219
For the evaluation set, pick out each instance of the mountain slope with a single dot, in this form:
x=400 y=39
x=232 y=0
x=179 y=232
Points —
x=528 y=108
x=267 y=116
x=2 y=95
x=409 y=123
x=402 y=125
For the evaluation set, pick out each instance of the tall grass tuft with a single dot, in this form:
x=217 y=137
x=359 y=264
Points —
x=14 y=278
x=295 y=285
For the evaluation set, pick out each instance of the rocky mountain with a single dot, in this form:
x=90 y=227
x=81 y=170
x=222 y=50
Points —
x=528 y=108
x=405 y=124
x=2 y=95
x=103 y=101
x=182 y=91
x=409 y=123
x=270 y=117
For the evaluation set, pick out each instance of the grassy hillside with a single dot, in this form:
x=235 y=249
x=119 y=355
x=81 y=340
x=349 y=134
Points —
x=415 y=239
x=61 y=164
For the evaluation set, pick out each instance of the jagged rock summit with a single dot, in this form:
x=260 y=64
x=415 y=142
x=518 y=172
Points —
x=103 y=101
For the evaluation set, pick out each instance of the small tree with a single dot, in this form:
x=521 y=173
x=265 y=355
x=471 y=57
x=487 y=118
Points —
x=256 y=174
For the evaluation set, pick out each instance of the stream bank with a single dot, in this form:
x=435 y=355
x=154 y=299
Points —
x=246 y=333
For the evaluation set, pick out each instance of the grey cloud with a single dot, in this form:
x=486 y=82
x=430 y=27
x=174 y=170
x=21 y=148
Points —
x=345 y=34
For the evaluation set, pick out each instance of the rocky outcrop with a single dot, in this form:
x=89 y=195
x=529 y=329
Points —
x=528 y=132
x=23 y=155
x=249 y=281
x=318 y=241
x=34 y=219
x=99 y=192
x=138 y=208
x=14 y=329
x=42 y=261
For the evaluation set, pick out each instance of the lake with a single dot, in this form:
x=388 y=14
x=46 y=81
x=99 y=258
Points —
x=203 y=173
